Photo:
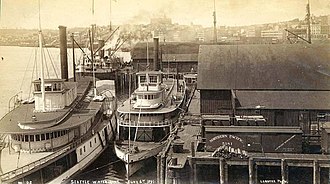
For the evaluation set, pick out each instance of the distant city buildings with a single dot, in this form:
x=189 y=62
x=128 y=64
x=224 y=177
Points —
x=167 y=31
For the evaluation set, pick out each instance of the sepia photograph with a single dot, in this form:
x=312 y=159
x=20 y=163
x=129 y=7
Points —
x=165 y=91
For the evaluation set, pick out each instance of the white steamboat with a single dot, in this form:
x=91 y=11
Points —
x=147 y=118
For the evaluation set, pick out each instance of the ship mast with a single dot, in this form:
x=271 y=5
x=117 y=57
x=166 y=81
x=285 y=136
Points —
x=308 y=17
x=110 y=25
x=92 y=49
x=42 y=64
x=215 y=39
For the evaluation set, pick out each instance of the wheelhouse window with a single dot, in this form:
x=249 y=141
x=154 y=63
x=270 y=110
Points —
x=37 y=87
x=143 y=79
x=153 y=79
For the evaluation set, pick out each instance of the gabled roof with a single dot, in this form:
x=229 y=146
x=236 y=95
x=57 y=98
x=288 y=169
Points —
x=264 y=67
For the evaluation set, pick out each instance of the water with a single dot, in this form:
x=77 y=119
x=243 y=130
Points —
x=16 y=71
x=16 y=74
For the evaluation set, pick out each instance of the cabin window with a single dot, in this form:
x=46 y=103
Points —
x=48 y=88
x=42 y=137
x=37 y=137
x=47 y=136
x=31 y=137
x=90 y=143
x=153 y=79
x=95 y=139
x=143 y=79
x=37 y=87
x=84 y=149
x=80 y=151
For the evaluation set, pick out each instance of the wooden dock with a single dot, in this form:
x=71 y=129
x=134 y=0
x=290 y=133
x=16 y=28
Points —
x=184 y=160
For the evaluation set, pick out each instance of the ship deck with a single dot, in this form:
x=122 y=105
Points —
x=81 y=113
x=126 y=107
x=11 y=160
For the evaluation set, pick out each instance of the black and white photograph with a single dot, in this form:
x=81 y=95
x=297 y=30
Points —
x=164 y=91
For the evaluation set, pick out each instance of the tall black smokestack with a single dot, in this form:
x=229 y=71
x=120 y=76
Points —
x=100 y=46
x=63 y=53
x=156 y=52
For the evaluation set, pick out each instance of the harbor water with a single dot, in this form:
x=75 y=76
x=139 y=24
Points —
x=17 y=72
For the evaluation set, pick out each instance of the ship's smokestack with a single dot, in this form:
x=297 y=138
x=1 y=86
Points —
x=63 y=52
x=100 y=46
x=156 y=52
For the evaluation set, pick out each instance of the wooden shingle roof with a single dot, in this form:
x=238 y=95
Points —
x=264 y=67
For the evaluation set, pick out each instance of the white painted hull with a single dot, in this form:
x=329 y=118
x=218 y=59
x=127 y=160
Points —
x=85 y=161
x=135 y=161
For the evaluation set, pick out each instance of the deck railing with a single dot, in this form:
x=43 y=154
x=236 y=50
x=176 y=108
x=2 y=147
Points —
x=16 y=172
x=132 y=123
x=12 y=174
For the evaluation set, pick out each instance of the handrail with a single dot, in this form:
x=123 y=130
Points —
x=13 y=173
x=145 y=123
x=15 y=98
x=169 y=92
x=28 y=167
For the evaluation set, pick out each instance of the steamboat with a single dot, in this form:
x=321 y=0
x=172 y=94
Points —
x=146 y=119
x=66 y=126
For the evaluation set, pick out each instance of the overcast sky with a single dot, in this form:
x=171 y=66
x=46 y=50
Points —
x=73 y=13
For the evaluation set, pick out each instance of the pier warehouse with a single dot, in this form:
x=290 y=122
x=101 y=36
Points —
x=264 y=116
x=172 y=55
x=289 y=85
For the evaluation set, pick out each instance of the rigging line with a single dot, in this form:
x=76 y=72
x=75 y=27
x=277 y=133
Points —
x=136 y=129
x=46 y=65
x=36 y=63
x=26 y=68
x=82 y=50
x=30 y=93
x=108 y=37
x=51 y=61
x=118 y=47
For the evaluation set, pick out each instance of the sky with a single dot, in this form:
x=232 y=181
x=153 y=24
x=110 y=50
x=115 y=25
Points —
x=78 y=13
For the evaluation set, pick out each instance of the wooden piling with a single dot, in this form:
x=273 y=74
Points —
x=193 y=149
x=316 y=172
x=255 y=176
x=251 y=171
x=222 y=171
x=158 y=169
x=162 y=169
x=284 y=172
x=193 y=172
